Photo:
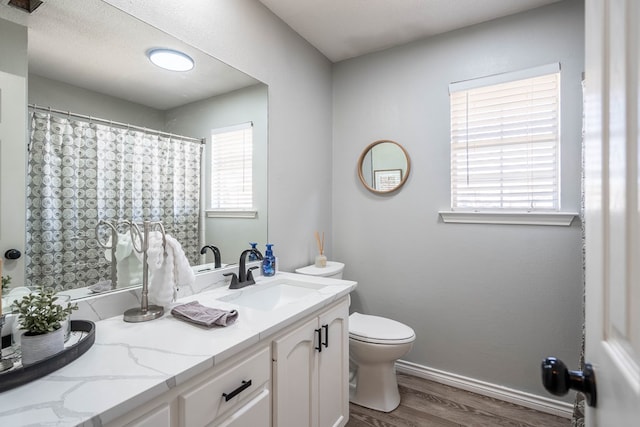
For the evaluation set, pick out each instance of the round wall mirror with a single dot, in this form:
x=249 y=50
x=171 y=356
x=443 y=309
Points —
x=384 y=166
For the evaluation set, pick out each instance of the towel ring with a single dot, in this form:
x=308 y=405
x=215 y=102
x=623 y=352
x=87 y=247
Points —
x=114 y=234
x=144 y=239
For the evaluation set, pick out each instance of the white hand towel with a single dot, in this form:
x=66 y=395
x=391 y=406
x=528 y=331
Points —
x=168 y=269
x=124 y=247
x=129 y=271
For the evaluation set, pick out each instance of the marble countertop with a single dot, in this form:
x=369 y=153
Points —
x=132 y=363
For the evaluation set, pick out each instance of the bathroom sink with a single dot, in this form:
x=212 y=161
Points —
x=272 y=296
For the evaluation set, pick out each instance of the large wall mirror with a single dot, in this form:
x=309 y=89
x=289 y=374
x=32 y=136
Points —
x=88 y=58
x=384 y=166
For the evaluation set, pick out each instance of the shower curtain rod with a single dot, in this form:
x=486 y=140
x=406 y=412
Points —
x=112 y=123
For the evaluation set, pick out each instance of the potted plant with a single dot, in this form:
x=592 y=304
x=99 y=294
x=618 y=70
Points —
x=5 y=280
x=40 y=316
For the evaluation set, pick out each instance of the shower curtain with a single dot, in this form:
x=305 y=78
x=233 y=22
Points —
x=80 y=172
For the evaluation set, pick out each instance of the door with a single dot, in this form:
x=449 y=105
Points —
x=612 y=200
x=333 y=367
x=13 y=101
x=295 y=377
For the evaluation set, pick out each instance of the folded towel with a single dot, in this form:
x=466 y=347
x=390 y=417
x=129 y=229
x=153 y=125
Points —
x=199 y=314
x=101 y=286
x=168 y=268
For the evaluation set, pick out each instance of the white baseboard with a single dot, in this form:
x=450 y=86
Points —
x=528 y=400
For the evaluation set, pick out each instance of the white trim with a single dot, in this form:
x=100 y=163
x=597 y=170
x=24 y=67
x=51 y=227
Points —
x=231 y=214
x=495 y=79
x=528 y=400
x=522 y=218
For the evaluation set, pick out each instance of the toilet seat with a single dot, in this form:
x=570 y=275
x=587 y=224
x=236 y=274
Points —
x=379 y=330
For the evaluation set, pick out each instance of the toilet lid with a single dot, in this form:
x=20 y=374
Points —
x=379 y=330
x=332 y=268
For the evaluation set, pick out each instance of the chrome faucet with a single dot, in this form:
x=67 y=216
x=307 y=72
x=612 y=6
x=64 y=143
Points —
x=216 y=254
x=244 y=277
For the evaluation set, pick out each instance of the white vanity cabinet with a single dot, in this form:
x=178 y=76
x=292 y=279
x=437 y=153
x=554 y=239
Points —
x=311 y=371
x=236 y=393
x=295 y=378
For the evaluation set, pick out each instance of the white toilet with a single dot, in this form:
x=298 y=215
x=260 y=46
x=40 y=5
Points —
x=375 y=343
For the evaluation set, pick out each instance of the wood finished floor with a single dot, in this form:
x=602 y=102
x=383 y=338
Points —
x=426 y=403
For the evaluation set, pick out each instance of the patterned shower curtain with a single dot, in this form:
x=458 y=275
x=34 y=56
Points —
x=80 y=172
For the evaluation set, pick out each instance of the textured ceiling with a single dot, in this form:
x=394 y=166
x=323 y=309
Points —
x=90 y=44
x=342 y=29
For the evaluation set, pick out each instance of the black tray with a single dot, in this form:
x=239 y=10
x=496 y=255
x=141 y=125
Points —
x=16 y=377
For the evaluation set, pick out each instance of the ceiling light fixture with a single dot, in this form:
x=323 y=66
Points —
x=170 y=59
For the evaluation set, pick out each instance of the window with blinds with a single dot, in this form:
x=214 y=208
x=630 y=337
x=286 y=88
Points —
x=231 y=168
x=505 y=142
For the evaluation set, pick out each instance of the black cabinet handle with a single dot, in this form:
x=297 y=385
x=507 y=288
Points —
x=557 y=379
x=319 y=347
x=326 y=335
x=228 y=396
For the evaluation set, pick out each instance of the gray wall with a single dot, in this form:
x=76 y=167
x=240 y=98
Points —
x=231 y=235
x=486 y=301
x=13 y=49
x=62 y=96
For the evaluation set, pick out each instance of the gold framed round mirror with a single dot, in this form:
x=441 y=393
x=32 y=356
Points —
x=384 y=166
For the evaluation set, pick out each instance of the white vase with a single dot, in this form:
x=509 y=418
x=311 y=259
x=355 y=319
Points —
x=38 y=347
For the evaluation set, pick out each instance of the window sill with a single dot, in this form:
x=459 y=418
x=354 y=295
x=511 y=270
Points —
x=520 y=218
x=232 y=214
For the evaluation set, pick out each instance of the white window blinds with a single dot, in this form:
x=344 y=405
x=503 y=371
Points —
x=505 y=142
x=232 y=167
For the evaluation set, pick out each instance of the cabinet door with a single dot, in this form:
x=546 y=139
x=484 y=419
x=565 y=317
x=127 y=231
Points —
x=295 y=377
x=333 y=364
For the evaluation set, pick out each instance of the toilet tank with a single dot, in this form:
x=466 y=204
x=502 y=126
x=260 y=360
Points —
x=333 y=270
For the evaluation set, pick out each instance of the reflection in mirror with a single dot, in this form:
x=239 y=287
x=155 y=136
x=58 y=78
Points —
x=87 y=59
x=384 y=166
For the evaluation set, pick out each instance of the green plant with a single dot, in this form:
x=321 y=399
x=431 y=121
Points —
x=39 y=313
x=5 y=282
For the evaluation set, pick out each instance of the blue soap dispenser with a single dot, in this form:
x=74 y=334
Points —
x=269 y=262
x=252 y=255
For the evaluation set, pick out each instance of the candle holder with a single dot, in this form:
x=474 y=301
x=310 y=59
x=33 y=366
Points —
x=5 y=364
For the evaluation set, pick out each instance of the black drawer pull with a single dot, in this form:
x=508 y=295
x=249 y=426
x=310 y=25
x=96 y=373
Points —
x=228 y=396
x=326 y=335
x=319 y=347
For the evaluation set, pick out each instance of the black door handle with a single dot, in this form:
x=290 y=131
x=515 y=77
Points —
x=326 y=335
x=12 y=254
x=557 y=379
x=319 y=333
